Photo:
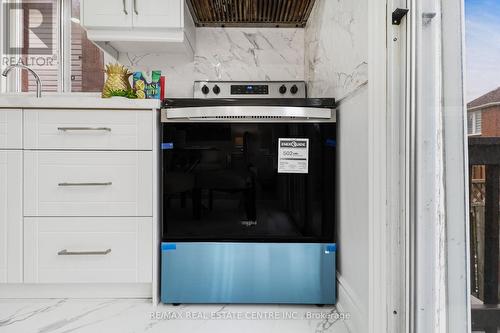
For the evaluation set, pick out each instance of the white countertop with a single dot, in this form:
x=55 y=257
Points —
x=72 y=101
x=139 y=315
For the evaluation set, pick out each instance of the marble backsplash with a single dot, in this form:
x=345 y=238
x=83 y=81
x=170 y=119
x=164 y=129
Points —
x=330 y=54
x=336 y=48
x=229 y=54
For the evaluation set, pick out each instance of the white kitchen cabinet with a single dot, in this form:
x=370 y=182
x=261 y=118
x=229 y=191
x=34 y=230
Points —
x=88 y=183
x=74 y=181
x=155 y=26
x=157 y=13
x=11 y=215
x=88 y=129
x=108 y=13
x=88 y=250
x=133 y=13
x=11 y=129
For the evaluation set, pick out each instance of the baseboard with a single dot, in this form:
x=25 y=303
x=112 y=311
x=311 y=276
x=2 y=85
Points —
x=349 y=302
x=76 y=290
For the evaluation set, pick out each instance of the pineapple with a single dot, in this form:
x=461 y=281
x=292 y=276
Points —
x=117 y=80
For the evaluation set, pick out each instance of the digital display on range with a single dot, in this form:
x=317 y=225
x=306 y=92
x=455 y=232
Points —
x=249 y=90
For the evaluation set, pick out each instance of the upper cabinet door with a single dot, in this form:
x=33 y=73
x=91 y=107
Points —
x=157 y=13
x=108 y=13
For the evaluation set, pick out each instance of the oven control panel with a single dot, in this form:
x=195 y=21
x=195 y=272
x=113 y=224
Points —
x=265 y=89
x=249 y=89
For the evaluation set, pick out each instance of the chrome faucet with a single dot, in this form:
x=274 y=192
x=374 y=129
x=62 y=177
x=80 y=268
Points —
x=35 y=75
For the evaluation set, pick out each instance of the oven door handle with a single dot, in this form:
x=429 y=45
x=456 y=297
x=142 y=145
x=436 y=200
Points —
x=247 y=113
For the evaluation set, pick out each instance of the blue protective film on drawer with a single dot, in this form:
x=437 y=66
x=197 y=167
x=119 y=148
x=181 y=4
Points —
x=168 y=246
x=331 y=142
x=228 y=272
x=167 y=145
x=331 y=247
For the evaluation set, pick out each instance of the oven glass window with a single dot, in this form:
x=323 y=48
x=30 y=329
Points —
x=248 y=182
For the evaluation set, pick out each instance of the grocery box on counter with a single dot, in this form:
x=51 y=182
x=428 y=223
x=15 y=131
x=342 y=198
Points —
x=146 y=88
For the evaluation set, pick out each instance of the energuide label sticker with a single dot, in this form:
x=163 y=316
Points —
x=293 y=155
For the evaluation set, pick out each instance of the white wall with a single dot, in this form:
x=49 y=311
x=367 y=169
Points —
x=352 y=226
x=336 y=53
x=336 y=48
x=229 y=54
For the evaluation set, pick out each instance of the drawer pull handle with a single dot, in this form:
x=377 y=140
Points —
x=65 y=129
x=86 y=184
x=125 y=8
x=83 y=253
x=135 y=8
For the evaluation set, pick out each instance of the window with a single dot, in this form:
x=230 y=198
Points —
x=474 y=122
x=87 y=60
x=46 y=35
x=483 y=65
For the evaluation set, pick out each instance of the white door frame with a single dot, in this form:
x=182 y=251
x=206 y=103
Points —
x=377 y=159
x=439 y=243
x=389 y=153
x=456 y=167
x=419 y=279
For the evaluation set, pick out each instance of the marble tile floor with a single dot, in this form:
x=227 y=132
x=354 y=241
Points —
x=128 y=316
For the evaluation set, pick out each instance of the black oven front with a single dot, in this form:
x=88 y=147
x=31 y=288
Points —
x=246 y=179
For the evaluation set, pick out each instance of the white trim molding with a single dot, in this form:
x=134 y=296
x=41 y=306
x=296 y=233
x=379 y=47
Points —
x=456 y=166
x=398 y=175
x=428 y=216
x=439 y=216
x=379 y=254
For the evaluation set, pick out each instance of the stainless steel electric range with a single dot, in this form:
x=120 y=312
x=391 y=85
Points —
x=248 y=195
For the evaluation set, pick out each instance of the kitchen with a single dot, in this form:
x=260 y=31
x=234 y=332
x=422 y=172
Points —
x=89 y=174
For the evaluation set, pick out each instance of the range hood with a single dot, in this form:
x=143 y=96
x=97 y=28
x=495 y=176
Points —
x=250 y=13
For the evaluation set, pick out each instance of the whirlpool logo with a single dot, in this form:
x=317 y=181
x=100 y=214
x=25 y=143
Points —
x=248 y=223
x=293 y=144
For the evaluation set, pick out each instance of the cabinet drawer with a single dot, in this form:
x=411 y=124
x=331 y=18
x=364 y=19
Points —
x=82 y=183
x=87 y=250
x=11 y=129
x=88 y=129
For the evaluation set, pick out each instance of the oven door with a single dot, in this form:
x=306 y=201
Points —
x=253 y=182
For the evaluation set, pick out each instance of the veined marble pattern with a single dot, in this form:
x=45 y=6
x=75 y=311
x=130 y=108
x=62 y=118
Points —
x=253 y=54
x=250 y=54
x=336 y=48
x=127 y=316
